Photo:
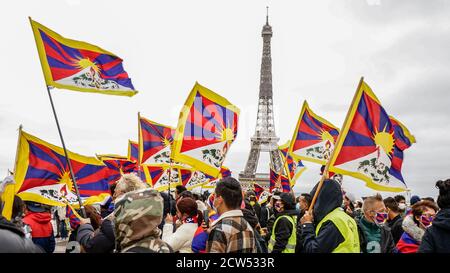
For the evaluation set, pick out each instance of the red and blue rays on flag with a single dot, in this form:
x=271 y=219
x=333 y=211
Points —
x=293 y=167
x=314 y=137
x=74 y=218
x=224 y=172
x=279 y=182
x=117 y=167
x=133 y=150
x=206 y=129
x=80 y=66
x=155 y=142
x=372 y=144
x=258 y=190
x=42 y=173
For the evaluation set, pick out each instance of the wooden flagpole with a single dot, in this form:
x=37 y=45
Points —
x=327 y=166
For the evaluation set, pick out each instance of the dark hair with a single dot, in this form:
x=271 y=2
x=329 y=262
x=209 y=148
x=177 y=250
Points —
x=231 y=192
x=443 y=200
x=185 y=194
x=418 y=208
x=399 y=198
x=431 y=199
x=196 y=196
x=179 y=189
x=308 y=198
x=91 y=213
x=112 y=188
x=189 y=206
x=17 y=207
x=391 y=204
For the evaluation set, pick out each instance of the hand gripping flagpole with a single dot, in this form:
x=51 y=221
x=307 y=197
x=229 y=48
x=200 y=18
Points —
x=65 y=154
x=327 y=166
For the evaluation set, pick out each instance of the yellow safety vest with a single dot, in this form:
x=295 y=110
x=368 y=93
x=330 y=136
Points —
x=348 y=229
x=290 y=247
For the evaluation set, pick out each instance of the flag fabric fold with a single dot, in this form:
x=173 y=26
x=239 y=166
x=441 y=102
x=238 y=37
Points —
x=372 y=143
x=79 y=66
x=206 y=129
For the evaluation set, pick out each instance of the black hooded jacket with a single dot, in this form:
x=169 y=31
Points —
x=13 y=239
x=437 y=237
x=329 y=237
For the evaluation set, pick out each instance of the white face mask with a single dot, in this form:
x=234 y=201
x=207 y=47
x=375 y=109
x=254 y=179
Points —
x=402 y=206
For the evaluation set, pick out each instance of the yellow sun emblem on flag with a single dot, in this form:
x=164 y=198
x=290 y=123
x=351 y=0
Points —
x=65 y=179
x=385 y=140
x=325 y=135
x=85 y=63
x=227 y=135
x=166 y=142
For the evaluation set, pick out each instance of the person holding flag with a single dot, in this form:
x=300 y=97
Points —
x=283 y=238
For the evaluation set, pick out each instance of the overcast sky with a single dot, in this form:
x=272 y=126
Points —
x=320 y=49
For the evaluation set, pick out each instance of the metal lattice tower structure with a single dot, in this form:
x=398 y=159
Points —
x=264 y=139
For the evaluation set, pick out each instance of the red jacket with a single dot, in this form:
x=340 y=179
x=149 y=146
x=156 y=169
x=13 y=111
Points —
x=40 y=223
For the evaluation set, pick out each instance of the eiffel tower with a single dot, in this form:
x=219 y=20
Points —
x=264 y=139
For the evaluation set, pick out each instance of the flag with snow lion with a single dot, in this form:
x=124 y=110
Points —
x=314 y=137
x=42 y=174
x=155 y=142
x=206 y=129
x=79 y=66
x=372 y=144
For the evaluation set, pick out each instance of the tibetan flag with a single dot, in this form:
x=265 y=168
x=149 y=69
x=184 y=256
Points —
x=42 y=174
x=73 y=216
x=261 y=194
x=117 y=166
x=157 y=176
x=79 y=66
x=371 y=145
x=133 y=150
x=155 y=142
x=279 y=181
x=314 y=137
x=199 y=179
x=206 y=129
x=211 y=183
x=294 y=168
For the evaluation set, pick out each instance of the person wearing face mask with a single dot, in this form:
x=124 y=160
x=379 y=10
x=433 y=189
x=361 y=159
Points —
x=191 y=218
x=437 y=237
x=394 y=221
x=374 y=235
x=230 y=233
x=284 y=233
x=414 y=226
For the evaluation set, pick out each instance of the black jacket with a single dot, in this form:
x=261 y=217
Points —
x=396 y=228
x=265 y=215
x=328 y=237
x=283 y=230
x=387 y=242
x=13 y=239
x=437 y=237
x=101 y=241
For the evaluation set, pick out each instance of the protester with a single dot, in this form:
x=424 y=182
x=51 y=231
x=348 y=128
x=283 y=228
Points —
x=283 y=238
x=230 y=233
x=348 y=206
x=137 y=216
x=375 y=237
x=178 y=190
x=394 y=221
x=305 y=200
x=333 y=230
x=401 y=201
x=201 y=236
x=414 y=199
x=13 y=239
x=266 y=212
x=191 y=218
x=251 y=196
x=61 y=213
x=251 y=217
x=38 y=217
x=437 y=237
x=414 y=226
x=94 y=234
x=273 y=215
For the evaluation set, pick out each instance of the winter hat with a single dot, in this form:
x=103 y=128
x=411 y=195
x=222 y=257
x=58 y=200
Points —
x=288 y=200
x=35 y=207
x=414 y=199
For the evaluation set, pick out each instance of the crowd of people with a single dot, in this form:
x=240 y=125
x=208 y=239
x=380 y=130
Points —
x=142 y=220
